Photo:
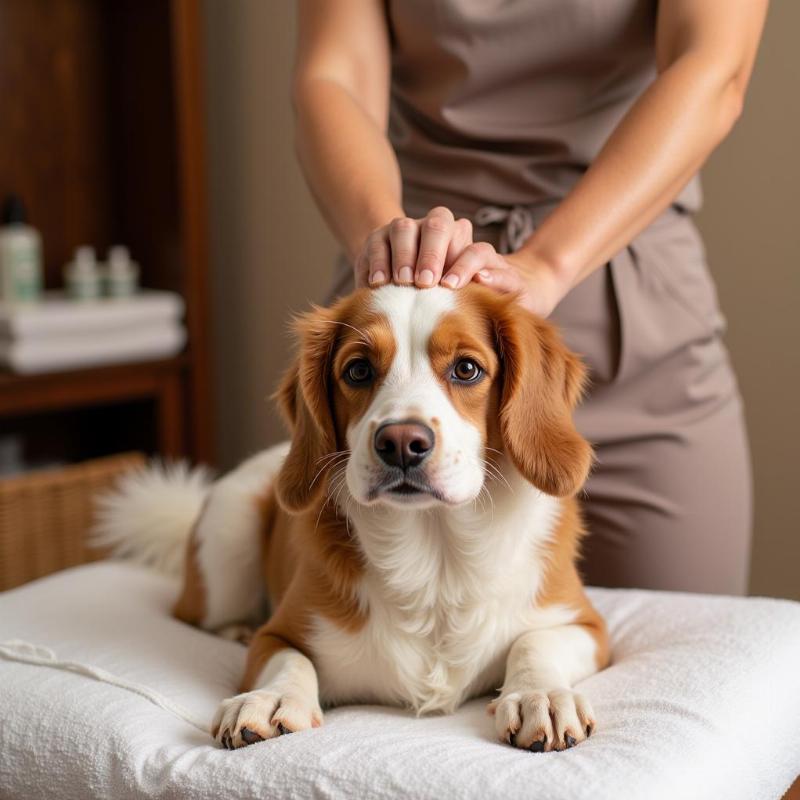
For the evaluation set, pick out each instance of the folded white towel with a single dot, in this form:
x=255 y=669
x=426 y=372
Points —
x=124 y=344
x=57 y=315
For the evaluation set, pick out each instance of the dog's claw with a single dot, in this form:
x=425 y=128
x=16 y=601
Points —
x=251 y=737
x=569 y=740
x=538 y=747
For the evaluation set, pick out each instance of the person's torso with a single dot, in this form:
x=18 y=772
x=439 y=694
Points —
x=508 y=101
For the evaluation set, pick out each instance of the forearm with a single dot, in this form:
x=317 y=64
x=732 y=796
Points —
x=659 y=145
x=347 y=160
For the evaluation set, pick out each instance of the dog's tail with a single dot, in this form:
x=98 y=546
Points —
x=148 y=516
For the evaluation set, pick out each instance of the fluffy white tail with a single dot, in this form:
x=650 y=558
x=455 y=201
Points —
x=148 y=516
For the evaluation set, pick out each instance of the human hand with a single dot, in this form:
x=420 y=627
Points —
x=413 y=251
x=538 y=285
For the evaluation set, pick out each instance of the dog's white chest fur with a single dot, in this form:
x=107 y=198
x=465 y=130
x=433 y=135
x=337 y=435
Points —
x=445 y=595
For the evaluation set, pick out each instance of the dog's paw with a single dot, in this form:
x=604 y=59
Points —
x=262 y=714
x=541 y=721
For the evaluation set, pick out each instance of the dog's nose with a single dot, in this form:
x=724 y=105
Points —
x=403 y=444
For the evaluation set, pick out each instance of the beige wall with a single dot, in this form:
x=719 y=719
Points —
x=751 y=223
x=271 y=252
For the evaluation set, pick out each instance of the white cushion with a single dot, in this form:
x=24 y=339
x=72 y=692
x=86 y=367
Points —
x=702 y=700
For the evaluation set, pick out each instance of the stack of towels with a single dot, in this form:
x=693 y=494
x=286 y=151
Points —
x=59 y=333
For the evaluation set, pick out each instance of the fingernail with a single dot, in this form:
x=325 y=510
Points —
x=485 y=275
x=426 y=277
x=377 y=277
x=406 y=275
x=451 y=281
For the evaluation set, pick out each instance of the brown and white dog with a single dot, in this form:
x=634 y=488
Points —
x=417 y=538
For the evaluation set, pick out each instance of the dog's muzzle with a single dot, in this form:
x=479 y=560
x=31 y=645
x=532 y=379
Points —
x=403 y=444
x=402 y=447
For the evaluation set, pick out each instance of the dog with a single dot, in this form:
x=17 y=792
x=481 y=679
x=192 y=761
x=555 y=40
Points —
x=416 y=539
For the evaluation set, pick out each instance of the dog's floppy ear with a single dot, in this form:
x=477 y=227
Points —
x=304 y=399
x=542 y=383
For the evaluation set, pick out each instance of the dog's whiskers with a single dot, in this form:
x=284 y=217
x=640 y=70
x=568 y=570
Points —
x=338 y=479
x=494 y=471
x=498 y=476
x=334 y=460
x=485 y=490
x=329 y=456
x=340 y=486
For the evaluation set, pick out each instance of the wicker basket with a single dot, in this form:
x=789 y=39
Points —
x=44 y=517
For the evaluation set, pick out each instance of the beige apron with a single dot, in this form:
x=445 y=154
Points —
x=498 y=107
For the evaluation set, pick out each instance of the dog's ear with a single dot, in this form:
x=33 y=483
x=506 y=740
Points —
x=304 y=399
x=542 y=383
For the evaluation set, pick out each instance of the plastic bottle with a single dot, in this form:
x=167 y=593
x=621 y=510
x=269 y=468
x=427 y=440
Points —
x=82 y=275
x=20 y=255
x=121 y=273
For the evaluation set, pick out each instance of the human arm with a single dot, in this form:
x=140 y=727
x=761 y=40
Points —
x=341 y=99
x=705 y=53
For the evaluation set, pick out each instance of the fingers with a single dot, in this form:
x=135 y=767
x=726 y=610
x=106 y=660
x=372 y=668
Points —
x=413 y=251
x=436 y=233
x=476 y=257
x=461 y=239
x=378 y=259
x=501 y=279
x=403 y=239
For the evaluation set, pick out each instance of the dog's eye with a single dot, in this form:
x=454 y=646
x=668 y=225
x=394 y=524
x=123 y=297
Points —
x=359 y=372
x=466 y=370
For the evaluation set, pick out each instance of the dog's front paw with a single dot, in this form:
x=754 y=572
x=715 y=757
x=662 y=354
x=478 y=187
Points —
x=541 y=721
x=262 y=714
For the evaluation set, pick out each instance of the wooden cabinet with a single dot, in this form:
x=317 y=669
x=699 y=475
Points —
x=102 y=134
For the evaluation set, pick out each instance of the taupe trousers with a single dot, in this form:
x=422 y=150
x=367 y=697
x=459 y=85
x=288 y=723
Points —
x=497 y=110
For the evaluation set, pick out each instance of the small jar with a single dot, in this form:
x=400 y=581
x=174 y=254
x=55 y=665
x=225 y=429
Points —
x=121 y=274
x=82 y=275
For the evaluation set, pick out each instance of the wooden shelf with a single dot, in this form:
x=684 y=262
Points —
x=160 y=381
x=103 y=137
x=26 y=394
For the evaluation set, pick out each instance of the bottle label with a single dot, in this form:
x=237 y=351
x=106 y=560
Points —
x=20 y=275
x=26 y=279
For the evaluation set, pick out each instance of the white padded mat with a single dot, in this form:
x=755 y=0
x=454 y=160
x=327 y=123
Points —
x=702 y=701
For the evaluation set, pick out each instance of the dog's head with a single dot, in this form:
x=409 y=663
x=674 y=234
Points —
x=402 y=394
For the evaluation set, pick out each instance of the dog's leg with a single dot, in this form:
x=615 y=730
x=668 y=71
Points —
x=284 y=697
x=537 y=709
x=223 y=581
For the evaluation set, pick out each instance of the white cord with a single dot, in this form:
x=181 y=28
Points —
x=27 y=653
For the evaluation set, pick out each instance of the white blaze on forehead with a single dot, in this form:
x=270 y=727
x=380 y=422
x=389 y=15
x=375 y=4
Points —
x=413 y=315
x=411 y=390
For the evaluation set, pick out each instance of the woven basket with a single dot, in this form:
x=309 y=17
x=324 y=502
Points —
x=44 y=517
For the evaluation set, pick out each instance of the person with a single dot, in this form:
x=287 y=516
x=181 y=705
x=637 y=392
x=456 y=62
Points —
x=551 y=148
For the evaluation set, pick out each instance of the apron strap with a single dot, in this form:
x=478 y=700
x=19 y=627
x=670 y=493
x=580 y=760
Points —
x=517 y=221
